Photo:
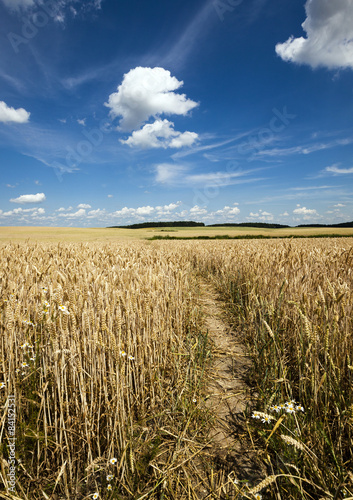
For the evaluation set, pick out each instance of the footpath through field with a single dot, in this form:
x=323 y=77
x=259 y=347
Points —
x=227 y=398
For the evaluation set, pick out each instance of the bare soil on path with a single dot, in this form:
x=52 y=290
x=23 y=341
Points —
x=228 y=396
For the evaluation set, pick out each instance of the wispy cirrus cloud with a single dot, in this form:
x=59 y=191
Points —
x=179 y=175
x=305 y=150
x=334 y=169
x=58 y=6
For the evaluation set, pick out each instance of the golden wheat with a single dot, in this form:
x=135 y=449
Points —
x=97 y=345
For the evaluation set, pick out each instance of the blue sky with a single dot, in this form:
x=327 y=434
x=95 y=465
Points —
x=114 y=113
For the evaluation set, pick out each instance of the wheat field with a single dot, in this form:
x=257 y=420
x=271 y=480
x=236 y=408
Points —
x=105 y=356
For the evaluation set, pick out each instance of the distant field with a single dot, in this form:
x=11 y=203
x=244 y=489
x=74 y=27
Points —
x=72 y=234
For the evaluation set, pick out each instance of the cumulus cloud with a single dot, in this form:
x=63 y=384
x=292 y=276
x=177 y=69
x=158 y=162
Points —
x=82 y=122
x=261 y=215
x=79 y=213
x=29 y=198
x=228 y=210
x=305 y=211
x=8 y=114
x=96 y=213
x=196 y=210
x=34 y=212
x=160 y=134
x=62 y=209
x=168 y=208
x=84 y=205
x=145 y=93
x=147 y=210
x=329 y=36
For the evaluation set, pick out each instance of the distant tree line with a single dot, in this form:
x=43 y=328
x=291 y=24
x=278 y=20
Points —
x=179 y=223
x=183 y=223
x=341 y=224
x=249 y=224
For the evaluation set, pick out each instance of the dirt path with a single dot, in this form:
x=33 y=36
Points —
x=228 y=394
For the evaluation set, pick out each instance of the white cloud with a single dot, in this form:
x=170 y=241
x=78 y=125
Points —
x=144 y=210
x=167 y=172
x=304 y=149
x=96 y=213
x=8 y=114
x=34 y=212
x=305 y=211
x=168 y=208
x=216 y=178
x=29 y=198
x=329 y=36
x=110 y=196
x=82 y=122
x=196 y=210
x=83 y=205
x=16 y=4
x=160 y=134
x=62 y=209
x=339 y=205
x=261 y=215
x=145 y=93
x=147 y=210
x=178 y=175
x=338 y=171
x=228 y=210
x=80 y=213
x=57 y=12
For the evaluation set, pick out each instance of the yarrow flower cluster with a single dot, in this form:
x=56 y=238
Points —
x=289 y=407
